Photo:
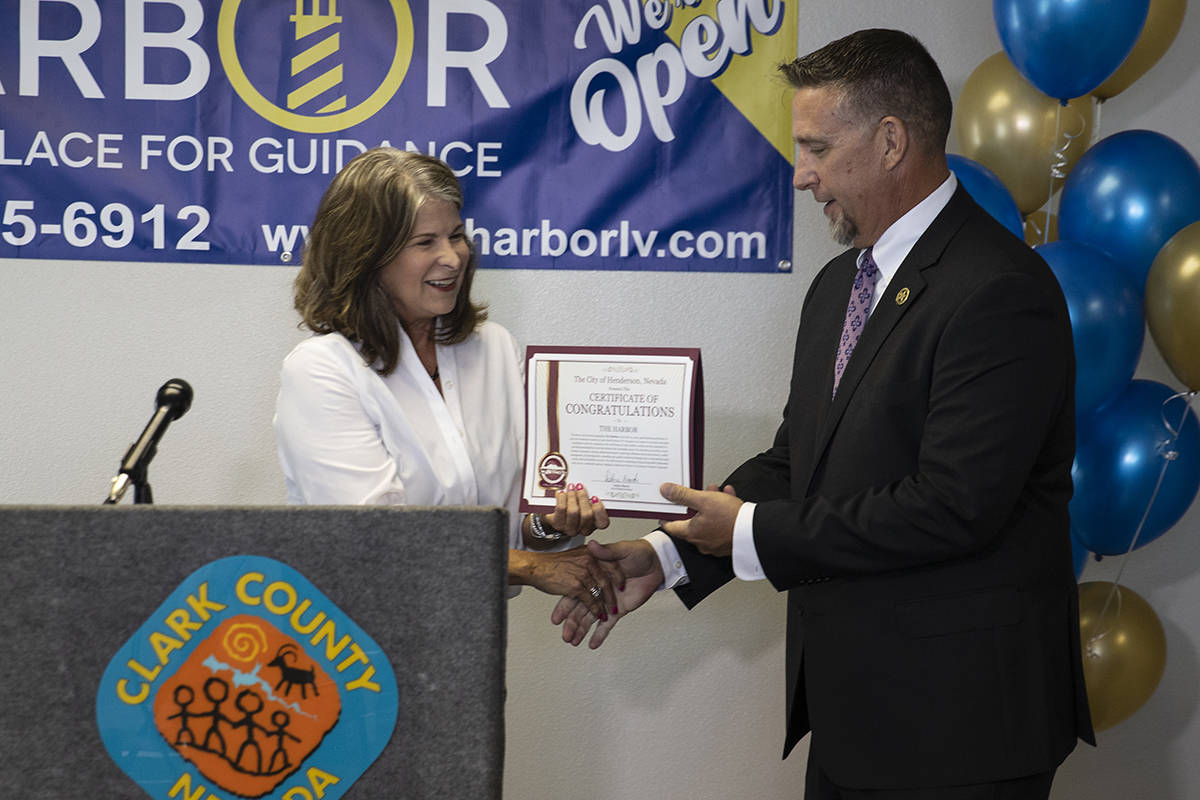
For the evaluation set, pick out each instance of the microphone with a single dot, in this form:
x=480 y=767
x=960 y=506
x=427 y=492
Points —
x=173 y=400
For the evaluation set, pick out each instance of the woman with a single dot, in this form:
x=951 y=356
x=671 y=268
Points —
x=407 y=395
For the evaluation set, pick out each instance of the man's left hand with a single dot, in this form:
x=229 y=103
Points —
x=711 y=529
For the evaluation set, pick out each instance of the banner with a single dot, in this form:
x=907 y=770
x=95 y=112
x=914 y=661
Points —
x=588 y=134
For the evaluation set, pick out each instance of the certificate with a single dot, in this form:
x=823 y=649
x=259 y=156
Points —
x=619 y=420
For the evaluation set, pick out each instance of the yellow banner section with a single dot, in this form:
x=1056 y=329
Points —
x=751 y=81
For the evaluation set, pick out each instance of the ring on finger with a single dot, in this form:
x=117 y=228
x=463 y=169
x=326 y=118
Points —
x=594 y=591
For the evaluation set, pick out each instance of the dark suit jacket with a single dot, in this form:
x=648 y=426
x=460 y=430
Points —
x=919 y=520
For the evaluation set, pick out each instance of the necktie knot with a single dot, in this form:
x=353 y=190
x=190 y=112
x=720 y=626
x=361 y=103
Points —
x=868 y=270
x=857 y=311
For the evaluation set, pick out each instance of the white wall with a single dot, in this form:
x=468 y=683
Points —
x=677 y=703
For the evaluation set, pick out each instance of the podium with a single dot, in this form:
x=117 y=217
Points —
x=97 y=599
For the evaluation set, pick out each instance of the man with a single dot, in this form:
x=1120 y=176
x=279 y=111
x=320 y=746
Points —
x=914 y=502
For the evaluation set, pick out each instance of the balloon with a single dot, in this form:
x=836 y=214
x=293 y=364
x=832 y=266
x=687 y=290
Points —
x=1016 y=131
x=1118 y=460
x=1173 y=304
x=988 y=190
x=1106 y=320
x=1128 y=194
x=1124 y=651
x=1079 y=555
x=1066 y=48
x=1162 y=25
x=1035 y=228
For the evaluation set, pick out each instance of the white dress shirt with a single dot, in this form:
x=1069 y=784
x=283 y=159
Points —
x=349 y=436
x=889 y=253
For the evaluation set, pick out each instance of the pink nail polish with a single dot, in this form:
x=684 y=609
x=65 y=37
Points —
x=595 y=499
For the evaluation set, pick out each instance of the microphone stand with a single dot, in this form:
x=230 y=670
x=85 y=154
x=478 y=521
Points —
x=142 y=494
x=173 y=400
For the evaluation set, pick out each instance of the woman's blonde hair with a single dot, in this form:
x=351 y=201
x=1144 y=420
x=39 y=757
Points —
x=365 y=218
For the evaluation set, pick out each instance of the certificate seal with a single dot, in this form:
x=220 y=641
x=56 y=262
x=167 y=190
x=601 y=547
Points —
x=552 y=471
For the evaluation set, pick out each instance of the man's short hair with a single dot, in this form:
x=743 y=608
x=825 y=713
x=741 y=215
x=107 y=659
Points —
x=881 y=73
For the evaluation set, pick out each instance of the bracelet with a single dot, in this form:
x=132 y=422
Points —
x=540 y=532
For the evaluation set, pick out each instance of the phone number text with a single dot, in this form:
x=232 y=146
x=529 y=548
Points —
x=114 y=225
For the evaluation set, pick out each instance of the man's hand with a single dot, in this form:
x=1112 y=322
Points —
x=711 y=529
x=643 y=575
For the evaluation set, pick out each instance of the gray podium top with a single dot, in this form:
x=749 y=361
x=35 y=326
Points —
x=427 y=585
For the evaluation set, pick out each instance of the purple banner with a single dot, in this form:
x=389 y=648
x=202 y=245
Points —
x=618 y=134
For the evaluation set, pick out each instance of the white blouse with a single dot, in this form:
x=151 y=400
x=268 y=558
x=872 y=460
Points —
x=348 y=436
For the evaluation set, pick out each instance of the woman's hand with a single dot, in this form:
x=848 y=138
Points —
x=573 y=573
x=576 y=513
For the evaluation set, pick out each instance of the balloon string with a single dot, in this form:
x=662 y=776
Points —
x=1039 y=230
x=1090 y=650
x=1059 y=162
x=1060 y=155
x=1168 y=454
x=1054 y=172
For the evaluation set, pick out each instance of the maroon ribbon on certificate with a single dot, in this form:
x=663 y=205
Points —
x=552 y=468
x=552 y=405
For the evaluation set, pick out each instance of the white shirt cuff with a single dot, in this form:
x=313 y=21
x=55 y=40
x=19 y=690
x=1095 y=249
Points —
x=674 y=573
x=745 y=557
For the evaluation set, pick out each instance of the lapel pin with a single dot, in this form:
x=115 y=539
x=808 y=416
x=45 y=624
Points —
x=902 y=296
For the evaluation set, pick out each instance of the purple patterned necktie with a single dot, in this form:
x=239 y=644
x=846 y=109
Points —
x=857 y=311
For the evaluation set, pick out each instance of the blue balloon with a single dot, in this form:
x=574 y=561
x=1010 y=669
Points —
x=1120 y=454
x=1106 y=320
x=989 y=191
x=1128 y=195
x=1066 y=48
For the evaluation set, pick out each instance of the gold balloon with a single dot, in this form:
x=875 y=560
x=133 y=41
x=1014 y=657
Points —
x=1173 y=304
x=1162 y=25
x=1035 y=228
x=1124 y=651
x=1014 y=130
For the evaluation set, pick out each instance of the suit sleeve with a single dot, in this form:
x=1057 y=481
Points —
x=766 y=476
x=1001 y=375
